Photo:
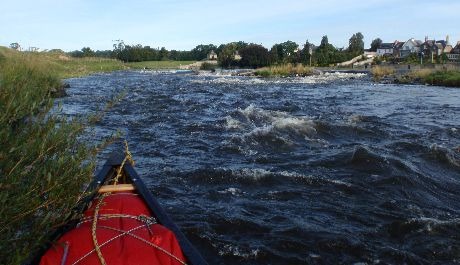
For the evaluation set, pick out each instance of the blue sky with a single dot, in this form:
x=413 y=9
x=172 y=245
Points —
x=179 y=24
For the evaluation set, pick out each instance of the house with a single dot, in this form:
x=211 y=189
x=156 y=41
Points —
x=237 y=56
x=397 y=49
x=454 y=54
x=432 y=48
x=410 y=46
x=448 y=48
x=212 y=55
x=385 y=49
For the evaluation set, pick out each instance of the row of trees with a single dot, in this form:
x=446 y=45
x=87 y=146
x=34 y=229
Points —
x=252 y=55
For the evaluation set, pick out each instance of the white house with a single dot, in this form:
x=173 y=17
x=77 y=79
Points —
x=385 y=49
x=212 y=55
x=410 y=46
x=454 y=55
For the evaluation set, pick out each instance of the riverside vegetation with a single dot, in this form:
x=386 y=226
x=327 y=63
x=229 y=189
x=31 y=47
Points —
x=448 y=78
x=43 y=165
x=284 y=70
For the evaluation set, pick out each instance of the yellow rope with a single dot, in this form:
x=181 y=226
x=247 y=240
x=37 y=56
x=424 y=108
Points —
x=128 y=157
x=93 y=229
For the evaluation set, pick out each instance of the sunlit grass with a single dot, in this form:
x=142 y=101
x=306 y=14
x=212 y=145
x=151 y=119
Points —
x=379 y=72
x=284 y=70
x=64 y=66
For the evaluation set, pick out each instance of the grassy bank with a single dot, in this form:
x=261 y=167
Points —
x=284 y=70
x=43 y=165
x=443 y=78
x=449 y=78
x=158 y=65
x=64 y=66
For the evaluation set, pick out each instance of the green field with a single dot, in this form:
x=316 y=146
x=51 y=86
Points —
x=158 y=65
x=64 y=66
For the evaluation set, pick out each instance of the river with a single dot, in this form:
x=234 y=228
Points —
x=329 y=169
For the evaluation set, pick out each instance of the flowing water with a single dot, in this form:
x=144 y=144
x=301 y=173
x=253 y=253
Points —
x=329 y=169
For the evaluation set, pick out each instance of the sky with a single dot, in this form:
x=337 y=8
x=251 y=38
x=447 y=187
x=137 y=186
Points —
x=181 y=25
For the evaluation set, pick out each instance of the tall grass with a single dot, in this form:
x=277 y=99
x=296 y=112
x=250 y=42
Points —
x=43 y=165
x=63 y=66
x=284 y=70
x=421 y=73
x=378 y=72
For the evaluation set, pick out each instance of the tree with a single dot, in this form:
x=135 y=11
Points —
x=15 y=46
x=87 y=52
x=290 y=49
x=327 y=54
x=226 y=58
x=254 y=56
x=324 y=42
x=118 y=50
x=276 y=53
x=285 y=52
x=201 y=51
x=375 y=44
x=307 y=53
x=356 y=44
x=163 y=55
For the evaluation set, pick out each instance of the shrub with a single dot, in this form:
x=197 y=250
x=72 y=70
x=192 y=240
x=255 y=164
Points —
x=208 y=66
x=444 y=78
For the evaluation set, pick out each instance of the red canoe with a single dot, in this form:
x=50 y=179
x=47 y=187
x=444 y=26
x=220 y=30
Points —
x=122 y=224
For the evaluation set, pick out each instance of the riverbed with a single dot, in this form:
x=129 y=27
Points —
x=327 y=169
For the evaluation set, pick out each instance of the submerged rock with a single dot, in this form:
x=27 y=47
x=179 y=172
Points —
x=60 y=91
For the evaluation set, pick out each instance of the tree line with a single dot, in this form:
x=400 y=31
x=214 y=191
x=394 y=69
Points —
x=239 y=54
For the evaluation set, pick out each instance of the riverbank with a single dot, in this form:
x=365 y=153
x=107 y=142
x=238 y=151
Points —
x=43 y=161
x=446 y=76
x=65 y=66
x=424 y=76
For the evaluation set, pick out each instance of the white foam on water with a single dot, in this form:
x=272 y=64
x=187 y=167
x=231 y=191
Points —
x=232 y=191
x=236 y=251
x=265 y=121
x=225 y=78
x=232 y=123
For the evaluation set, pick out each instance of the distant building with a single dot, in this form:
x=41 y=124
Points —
x=212 y=55
x=397 y=49
x=454 y=54
x=385 y=49
x=410 y=46
x=237 y=56
x=390 y=49
x=430 y=47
